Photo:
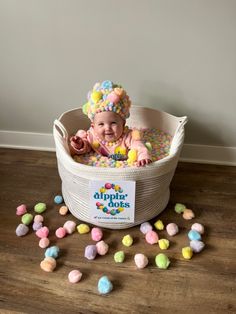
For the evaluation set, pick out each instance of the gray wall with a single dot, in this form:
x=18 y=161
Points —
x=175 y=55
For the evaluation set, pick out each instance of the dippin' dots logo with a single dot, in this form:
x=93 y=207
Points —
x=114 y=200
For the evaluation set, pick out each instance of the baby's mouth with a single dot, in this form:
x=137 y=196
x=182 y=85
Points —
x=109 y=134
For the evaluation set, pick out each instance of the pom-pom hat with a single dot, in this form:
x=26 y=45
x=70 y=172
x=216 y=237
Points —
x=107 y=96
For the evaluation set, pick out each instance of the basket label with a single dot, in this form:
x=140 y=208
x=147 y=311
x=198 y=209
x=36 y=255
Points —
x=112 y=201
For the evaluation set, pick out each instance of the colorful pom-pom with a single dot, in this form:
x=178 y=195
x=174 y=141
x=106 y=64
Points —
x=96 y=234
x=27 y=219
x=151 y=237
x=22 y=230
x=140 y=260
x=102 y=247
x=179 y=208
x=48 y=264
x=127 y=240
x=21 y=210
x=90 y=252
x=63 y=210
x=69 y=226
x=159 y=225
x=188 y=214
x=119 y=257
x=105 y=286
x=40 y=208
x=162 y=261
x=187 y=252
x=44 y=243
x=42 y=232
x=58 y=199
x=52 y=251
x=60 y=232
x=194 y=235
x=74 y=276
x=197 y=246
x=83 y=228
x=145 y=227
x=164 y=244
x=198 y=227
x=172 y=229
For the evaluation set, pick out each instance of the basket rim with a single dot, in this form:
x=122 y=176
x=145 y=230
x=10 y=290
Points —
x=126 y=170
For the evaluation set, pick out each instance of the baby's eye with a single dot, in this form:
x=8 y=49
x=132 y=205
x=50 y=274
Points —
x=101 y=124
x=114 y=122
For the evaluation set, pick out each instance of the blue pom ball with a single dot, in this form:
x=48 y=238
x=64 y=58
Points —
x=194 y=235
x=58 y=199
x=104 y=285
x=52 y=251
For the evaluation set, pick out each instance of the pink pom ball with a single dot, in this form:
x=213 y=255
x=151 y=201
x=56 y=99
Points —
x=198 y=227
x=60 y=232
x=102 y=247
x=96 y=234
x=151 y=237
x=172 y=229
x=69 y=226
x=113 y=97
x=140 y=260
x=44 y=242
x=42 y=232
x=38 y=218
x=21 y=210
x=74 y=276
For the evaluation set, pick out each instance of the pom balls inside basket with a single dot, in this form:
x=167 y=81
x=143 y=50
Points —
x=152 y=181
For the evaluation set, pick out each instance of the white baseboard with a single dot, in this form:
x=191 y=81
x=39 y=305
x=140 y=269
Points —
x=27 y=140
x=218 y=155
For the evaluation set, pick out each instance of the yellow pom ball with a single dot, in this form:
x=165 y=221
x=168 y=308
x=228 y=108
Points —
x=164 y=244
x=187 y=252
x=159 y=225
x=127 y=240
x=83 y=228
x=132 y=155
x=120 y=150
x=96 y=96
x=120 y=209
x=102 y=190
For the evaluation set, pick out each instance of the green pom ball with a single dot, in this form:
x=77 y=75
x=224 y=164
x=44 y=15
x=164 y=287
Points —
x=40 y=208
x=162 y=261
x=119 y=257
x=179 y=208
x=27 y=219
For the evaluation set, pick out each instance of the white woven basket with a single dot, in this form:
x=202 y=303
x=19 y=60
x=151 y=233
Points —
x=152 y=181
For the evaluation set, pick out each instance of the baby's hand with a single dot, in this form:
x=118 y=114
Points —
x=76 y=142
x=143 y=162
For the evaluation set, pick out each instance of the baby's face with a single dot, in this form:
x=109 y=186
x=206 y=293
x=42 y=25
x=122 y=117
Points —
x=108 y=126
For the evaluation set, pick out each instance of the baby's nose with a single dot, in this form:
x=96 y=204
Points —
x=108 y=127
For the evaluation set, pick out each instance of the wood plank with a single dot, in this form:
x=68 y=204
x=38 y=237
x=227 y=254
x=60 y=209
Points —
x=205 y=284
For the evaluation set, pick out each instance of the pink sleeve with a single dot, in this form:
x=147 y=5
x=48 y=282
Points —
x=135 y=142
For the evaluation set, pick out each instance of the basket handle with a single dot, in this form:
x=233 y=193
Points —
x=61 y=131
x=182 y=121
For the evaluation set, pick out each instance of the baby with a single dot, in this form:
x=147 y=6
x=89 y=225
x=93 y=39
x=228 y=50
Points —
x=108 y=108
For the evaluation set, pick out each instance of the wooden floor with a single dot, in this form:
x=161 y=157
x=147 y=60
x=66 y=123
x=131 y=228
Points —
x=205 y=284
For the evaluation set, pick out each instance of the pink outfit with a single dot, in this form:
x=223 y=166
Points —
x=117 y=150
